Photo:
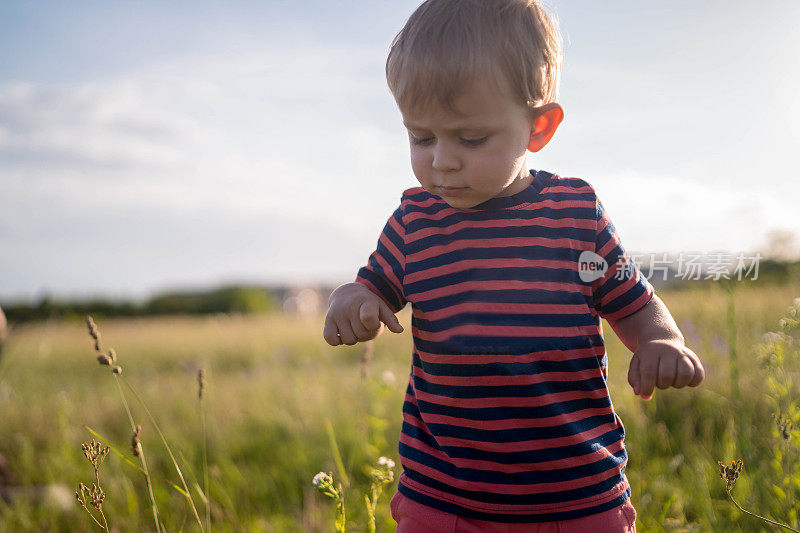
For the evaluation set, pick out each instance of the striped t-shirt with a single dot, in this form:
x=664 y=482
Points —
x=507 y=415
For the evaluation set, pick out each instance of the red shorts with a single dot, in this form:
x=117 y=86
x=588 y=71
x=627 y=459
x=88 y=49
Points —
x=413 y=517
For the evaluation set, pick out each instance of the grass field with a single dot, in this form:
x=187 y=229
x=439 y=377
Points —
x=272 y=382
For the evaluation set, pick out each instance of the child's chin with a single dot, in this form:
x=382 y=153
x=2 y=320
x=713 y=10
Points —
x=460 y=203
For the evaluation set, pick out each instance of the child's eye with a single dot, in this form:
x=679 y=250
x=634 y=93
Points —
x=420 y=140
x=469 y=142
x=476 y=142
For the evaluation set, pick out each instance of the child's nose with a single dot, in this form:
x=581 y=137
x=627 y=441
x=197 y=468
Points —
x=445 y=158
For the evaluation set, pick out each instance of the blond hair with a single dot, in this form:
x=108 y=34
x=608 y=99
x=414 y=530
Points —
x=447 y=44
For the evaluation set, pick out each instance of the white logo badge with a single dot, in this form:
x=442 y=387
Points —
x=591 y=266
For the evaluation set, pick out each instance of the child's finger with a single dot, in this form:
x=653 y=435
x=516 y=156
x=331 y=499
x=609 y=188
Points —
x=633 y=375
x=362 y=333
x=331 y=333
x=667 y=369
x=368 y=314
x=389 y=318
x=648 y=370
x=685 y=372
x=699 y=371
x=346 y=332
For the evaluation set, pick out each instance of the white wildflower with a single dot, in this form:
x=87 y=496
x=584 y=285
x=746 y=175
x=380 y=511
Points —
x=772 y=336
x=385 y=461
x=388 y=377
x=319 y=478
x=796 y=302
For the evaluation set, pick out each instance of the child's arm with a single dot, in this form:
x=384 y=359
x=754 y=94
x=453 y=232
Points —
x=660 y=356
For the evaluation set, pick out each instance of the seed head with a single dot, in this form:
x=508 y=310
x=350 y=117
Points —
x=97 y=496
x=92 y=328
x=201 y=382
x=95 y=452
x=135 y=441
x=784 y=424
x=730 y=473
x=112 y=355
x=366 y=357
x=103 y=359
x=93 y=332
x=116 y=370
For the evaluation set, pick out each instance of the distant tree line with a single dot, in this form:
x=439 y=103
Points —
x=243 y=299
x=230 y=300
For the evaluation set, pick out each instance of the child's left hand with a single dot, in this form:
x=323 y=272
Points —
x=663 y=363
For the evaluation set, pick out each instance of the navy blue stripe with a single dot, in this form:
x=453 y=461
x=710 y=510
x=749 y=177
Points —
x=515 y=499
x=517 y=296
x=506 y=319
x=524 y=274
x=510 y=345
x=532 y=368
x=486 y=414
x=508 y=391
x=511 y=436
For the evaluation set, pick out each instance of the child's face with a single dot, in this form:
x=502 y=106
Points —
x=481 y=153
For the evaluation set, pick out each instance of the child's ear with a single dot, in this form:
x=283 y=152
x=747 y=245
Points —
x=544 y=122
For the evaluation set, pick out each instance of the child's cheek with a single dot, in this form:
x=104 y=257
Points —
x=420 y=164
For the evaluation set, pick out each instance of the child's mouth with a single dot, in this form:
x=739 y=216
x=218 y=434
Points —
x=453 y=191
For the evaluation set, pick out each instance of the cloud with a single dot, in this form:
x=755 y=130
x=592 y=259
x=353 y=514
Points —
x=209 y=153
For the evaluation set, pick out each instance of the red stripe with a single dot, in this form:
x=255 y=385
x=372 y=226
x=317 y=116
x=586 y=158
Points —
x=544 y=355
x=511 y=401
x=505 y=309
x=545 y=222
x=512 y=381
x=500 y=242
x=447 y=210
x=518 y=423
x=480 y=330
x=497 y=262
x=491 y=466
x=500 y=285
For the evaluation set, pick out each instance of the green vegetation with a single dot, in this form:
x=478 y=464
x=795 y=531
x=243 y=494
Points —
x=222 y=300
x=272 y=382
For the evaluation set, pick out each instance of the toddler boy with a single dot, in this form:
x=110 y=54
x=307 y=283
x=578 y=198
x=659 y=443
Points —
x=507 y=421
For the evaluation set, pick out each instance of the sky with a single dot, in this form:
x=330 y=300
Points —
x=150 y=145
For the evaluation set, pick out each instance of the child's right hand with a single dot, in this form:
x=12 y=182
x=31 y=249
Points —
x=356 y=314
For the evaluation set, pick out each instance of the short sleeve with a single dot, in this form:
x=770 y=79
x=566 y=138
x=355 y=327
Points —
x=622 y=289
x=384 y=271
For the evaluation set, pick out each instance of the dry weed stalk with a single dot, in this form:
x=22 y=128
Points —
x=94 y=496
x=201 y=387
x=109 y=359
x=730 y=474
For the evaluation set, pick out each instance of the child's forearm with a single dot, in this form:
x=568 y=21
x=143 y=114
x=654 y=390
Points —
x=651 y=322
